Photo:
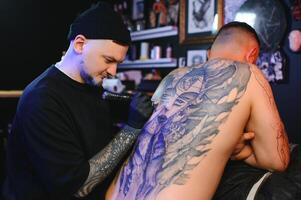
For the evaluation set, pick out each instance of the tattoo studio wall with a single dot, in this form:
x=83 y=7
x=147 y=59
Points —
x=288 y=95
x=36 y=37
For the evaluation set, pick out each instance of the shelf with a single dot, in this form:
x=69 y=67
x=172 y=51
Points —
x=154 y=33
x=10 y=93
x=159 y=63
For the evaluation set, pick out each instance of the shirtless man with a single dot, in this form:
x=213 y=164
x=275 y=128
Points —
x=201 y=113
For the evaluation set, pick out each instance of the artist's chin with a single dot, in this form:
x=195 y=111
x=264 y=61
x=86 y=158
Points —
x=94 y=82
x=97 y=83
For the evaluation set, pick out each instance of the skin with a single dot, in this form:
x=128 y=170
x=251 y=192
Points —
x=198 y=124
x=90 y=61
x=243 y=150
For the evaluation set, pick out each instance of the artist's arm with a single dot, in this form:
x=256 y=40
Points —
x=270 y=145
x=105 y=161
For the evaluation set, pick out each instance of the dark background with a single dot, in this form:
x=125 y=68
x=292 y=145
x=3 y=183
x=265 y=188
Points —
x=33 y=36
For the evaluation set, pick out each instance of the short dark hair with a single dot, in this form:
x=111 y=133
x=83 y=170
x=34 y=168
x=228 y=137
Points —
x=241 y=26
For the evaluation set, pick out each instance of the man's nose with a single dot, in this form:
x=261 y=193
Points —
x=112 y=70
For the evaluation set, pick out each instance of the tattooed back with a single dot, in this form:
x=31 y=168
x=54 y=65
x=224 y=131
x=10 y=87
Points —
x=200 y=115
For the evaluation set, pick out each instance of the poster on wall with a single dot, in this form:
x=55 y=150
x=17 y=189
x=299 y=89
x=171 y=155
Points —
x=274 y=66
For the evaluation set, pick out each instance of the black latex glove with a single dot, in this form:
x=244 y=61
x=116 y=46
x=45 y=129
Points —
x=140 y=110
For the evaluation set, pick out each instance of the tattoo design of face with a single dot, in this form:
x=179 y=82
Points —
x=191 y=107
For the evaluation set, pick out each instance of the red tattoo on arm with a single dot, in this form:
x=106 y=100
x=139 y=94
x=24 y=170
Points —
x=282 y=139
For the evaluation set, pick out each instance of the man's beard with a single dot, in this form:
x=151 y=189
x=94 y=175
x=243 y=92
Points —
x=88 y=79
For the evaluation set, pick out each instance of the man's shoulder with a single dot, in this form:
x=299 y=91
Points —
x=44 y=83
x=210 y=75
x=41 y=89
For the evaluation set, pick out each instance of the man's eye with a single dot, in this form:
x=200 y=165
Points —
x=108 y=61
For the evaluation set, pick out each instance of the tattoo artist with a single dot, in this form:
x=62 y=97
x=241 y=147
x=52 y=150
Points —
x=59 y=146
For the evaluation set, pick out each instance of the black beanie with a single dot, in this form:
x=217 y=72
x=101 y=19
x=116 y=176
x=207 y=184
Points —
x=100 y=22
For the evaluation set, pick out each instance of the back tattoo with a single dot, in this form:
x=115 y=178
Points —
x=192 y=103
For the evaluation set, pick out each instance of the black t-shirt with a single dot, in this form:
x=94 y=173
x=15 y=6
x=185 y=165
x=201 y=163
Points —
x=59 y=125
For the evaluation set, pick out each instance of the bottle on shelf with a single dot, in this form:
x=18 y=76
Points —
x=144 y=51
x=156 y=52
x=168 y=51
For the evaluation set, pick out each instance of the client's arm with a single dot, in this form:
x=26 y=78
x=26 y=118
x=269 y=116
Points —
x=243 y=149
x=270 y=145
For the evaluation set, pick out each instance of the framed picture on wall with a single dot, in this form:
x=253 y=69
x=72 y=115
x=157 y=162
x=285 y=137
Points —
x=267 y=17
x=200 y=20
x=196 y=57
x=296 y=9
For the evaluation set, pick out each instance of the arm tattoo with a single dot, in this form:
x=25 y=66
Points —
x=191 y=107
x=282 y=140
x=103 y=163
x=282 y=144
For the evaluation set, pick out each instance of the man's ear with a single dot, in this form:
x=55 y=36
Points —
x=252 y=55
x=78 y=43
x=208 y=53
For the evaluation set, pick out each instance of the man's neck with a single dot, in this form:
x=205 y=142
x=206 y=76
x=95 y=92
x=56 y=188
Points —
x=70 y=69
x=227 y=56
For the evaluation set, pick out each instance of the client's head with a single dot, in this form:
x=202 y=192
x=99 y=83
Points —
x=236 y=41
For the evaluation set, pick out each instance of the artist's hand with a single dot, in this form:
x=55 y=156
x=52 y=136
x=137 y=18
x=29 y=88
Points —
x=243 y=148
x=140 y=110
